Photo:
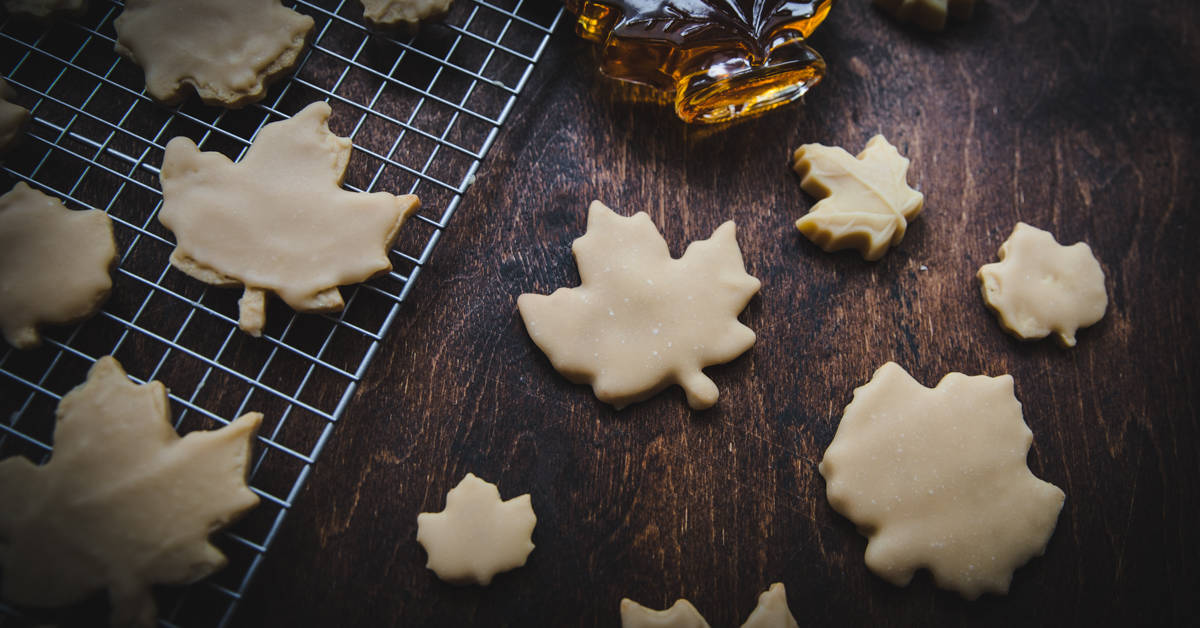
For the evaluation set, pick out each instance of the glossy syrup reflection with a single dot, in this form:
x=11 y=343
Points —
x=722 y=59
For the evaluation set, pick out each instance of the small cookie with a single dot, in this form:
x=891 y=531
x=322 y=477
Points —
x=13 y=117
x=54 y=264
x=278 y=220
x=936 y=478
x=1041 y=287
x=45 y=9
x=477 y=536
x=866 y=202
x=681 y=615
x=928 y=14
x=641 y=321
x=410 y=12
x=123 y=503
x=228 y=50
x=771 y=612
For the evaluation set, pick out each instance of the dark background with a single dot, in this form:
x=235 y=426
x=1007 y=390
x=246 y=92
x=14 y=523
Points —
x=1077 y=117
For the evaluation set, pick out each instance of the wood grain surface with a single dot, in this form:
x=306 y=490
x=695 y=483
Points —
x=1078 y=117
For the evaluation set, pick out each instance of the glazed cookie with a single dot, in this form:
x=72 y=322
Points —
x=54 y=264
x=641 y=321
x=278 y=220
x=396 y=12
x=478 y=535
x=866 y=202
x=13 y=117
x=123 y=503
x=227 y=50
x=45 y=9
x=936 y=478
x=1041 y=287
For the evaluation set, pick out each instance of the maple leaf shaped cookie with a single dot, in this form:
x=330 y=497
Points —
x=771 y=612
x=1041 y=287
x=13 y=117
x=227 y=50
x=54 y=264
x=277 y=220
x=410 y=12
x=123 y=503
x=869 y=202
x=477 y=536
x=681 y=615
x=937 y=478
x=45 y=9
x=641 y=321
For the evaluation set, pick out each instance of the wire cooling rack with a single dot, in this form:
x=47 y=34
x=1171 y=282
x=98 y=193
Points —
x=423 y=110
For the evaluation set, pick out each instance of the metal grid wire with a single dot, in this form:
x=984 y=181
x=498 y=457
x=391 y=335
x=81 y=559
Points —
x=423 y=109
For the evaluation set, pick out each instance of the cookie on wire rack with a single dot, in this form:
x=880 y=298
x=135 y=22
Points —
x=391 y=13
x=227 y=50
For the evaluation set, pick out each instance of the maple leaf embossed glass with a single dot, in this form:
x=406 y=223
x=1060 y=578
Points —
x=723 y=59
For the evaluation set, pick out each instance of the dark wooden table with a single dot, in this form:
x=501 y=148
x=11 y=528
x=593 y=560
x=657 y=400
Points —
x=1077 y=117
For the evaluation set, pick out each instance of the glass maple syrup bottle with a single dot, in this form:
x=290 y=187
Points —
x=723 y=59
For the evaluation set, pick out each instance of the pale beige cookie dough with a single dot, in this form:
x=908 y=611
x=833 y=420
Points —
x=936 y=478
x=44 y=9
x=478 y=535
x=54 y=264
x=928 y=14
x=277 y=221
x=410 y=12
x=866 y=202
x=124 y=503
x=1041 y=287
x=641 y=321
x=681 y=615
x=228 y=50
x=772 y=610
x=13 y=117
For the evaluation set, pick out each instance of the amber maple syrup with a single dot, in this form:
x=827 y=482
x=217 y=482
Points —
x=723 y=59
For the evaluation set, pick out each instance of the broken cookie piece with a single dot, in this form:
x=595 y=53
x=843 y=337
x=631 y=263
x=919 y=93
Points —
x=408 y=12
x=928 y=14
x=228 y=50
x=478 y=535
x=1041 y=287
x=937 y=479
x=54 y=264
x=865 y=204
x=123 y=503
x=278 y=220
x=641 y=321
